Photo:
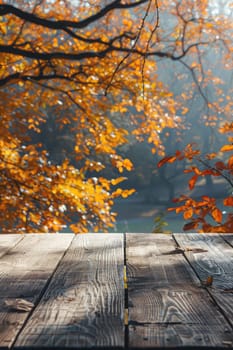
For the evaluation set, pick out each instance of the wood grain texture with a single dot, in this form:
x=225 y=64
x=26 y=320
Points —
x=24 y=272
x=228 y=238
x=181 y=335
x=217 y=261
x=84 y=304
x=224 y=300
x=167 y=305
x=184 y=305
x=154 y=259
x=8 y=241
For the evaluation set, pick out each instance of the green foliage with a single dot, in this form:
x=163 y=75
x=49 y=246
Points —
x=160 y=223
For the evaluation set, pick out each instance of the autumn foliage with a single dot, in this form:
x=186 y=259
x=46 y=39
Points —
x=204 y=214
x=91 y=69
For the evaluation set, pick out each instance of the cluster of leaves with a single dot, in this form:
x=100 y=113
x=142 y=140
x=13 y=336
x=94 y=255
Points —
x=204 y=213
x=41 y=197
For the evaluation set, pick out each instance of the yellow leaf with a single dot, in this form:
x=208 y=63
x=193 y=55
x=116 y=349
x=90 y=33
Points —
x=184 y=110
x=3 y=28
x=226 y=148
x=127 y=164
x=127 y=193
x=118 y=180
x=117 y=193
x=209 y=25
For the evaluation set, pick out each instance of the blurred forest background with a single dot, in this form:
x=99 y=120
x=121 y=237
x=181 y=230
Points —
x=156 y=187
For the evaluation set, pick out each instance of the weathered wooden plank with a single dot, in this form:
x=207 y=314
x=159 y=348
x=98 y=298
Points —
x=184 y=305
x=216 y=261
x=172 y=336
x=224 y=300
x=228 y=238
x=84 y=304
x=8 y=241
x=167 y=306
x=153 y=258
x=24 y=272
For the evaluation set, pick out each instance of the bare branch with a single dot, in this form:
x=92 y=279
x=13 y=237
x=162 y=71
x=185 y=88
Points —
x=52 y=55
x=6 y=9
x=149 y=41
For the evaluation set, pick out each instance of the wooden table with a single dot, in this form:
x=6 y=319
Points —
x=116 y=290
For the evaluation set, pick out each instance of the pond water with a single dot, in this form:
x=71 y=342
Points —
x=137 y=216
x=146 y=225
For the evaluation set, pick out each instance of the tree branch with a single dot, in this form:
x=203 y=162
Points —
x=92 y=54
x=6 y=9
x=53 y=55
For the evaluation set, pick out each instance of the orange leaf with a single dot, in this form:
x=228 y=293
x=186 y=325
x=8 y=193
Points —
x=178 y=154
x=186 y=171
x=180 y=209
x=226 y=148
x=171 y=209
x=220 y=165
x=208 y=282
x=230 y=162
x=169 y=159
x=228 y=201
x=211 y=155
x=193 y=181
x=217 y=215
x=206 y=198
x=196 y=171
x=188 y=214
x=209 y=172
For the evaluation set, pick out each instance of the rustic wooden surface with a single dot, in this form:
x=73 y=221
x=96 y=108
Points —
x=116 y=291
x=177 y=310
x=217 y=262
x=84 y=303
x=24 y=272
x=7 y=242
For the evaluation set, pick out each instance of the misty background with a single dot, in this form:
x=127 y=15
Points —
x=156 y=187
